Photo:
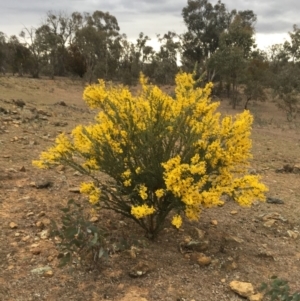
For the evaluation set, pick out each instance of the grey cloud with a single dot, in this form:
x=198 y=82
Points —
x=149 y=16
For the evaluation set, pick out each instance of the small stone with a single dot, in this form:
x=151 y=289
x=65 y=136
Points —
x=214 y=222
x=60 y=168
x=62 y=103
x=30 y=214
x=194 y=245
x=94 y=219
x=26 y=238
x=292 y=234
x=46 y=221
x=50 y=258
x=17 y=234
x=233 y=212
x=23 y=169
x=41 y=270
x=269 y=223
x=199 y=233
x=13 y=225
x=42 y=213
x=141 y=269
x=223 y=280
x=39 y=224
x=74 y=189
x=271 y=200
x=234 y=265
x=40 y=184
x=36 y=251
x=10 y=267
x=203 y=260
x=44 y=234
x=232 y=238
x=32 y=142
x=48 y=273
x=256 y=297
x=244 y=289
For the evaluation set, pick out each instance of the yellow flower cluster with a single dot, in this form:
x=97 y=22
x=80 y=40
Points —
x=142 y=211
x=143 y=192
x=60 y=152
x=177 y=221
x=92 y=191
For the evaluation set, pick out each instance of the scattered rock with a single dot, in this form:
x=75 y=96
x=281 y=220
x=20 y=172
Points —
x=271 y=200
x=266 y=254
x=60 y=168
x=36 y=251
x=42 y=213
x=3 y=110
x=214 y=222
x=269 y=223
x=42 y=112
x=62 y=103
x=74 y=189
x=59 y=123
x=44 y=234
x=193 y=245
x=48 y=273
x=22 y=169
x=256 y=297
x=41 y=270
x=13 y=225
x=292 y=234
x=133 y=252
x=50 y=258
x=40 y=184
x=39 y=224
x=94 y=219
x=244 y=289
x=19 y=103
x=140 y=269
x=252 y=171
x=231 y=238
x=273 y=215
x=201 y=259
x=198 y=233
x=289 y=168
x=26 y=238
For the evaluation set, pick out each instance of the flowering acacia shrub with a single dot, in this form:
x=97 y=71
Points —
x=165 y=154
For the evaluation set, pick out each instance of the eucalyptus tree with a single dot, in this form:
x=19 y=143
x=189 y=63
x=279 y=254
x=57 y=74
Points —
x=230 y=60
x=165 y=60
x=98 y=40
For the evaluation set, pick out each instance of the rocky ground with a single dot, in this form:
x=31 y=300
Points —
x=198 y=262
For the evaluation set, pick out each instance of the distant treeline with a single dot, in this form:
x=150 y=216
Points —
x=218 y=45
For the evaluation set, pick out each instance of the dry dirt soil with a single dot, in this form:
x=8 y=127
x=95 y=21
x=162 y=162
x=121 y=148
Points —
x=244 y=244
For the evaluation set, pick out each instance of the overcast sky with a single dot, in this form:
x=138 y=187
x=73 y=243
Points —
x=274 y=17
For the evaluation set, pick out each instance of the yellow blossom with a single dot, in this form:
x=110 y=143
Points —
x=159 y=193
x=92 y=191
x=143 y=192
x=177 y=221
x=142 y=211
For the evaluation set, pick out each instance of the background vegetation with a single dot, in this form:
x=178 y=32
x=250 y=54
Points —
x=219 y=41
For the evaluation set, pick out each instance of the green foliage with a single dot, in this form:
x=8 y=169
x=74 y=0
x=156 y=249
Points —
x=79 y=237
x=279 y=290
